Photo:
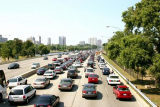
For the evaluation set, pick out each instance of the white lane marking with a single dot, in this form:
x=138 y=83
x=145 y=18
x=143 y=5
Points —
x=139 y=103
x=106 y=90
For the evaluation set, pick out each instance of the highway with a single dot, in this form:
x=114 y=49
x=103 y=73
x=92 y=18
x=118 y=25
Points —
x=73 y=98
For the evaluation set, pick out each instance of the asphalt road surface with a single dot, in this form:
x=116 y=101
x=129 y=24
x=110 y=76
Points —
x=73 y=98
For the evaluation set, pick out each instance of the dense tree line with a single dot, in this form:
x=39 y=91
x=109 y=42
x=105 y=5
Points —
x=138 y=46
x=16 y=47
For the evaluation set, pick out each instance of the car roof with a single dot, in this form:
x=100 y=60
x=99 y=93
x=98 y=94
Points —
x=122 y=86
x=20 y=87
x=16 y=77
x=66 y=79
x=113 y=75
x=89 y=68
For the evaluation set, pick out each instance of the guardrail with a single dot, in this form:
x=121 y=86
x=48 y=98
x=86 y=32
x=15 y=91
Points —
x=138 y=91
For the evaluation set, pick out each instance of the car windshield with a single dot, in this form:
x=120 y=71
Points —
x=116 y=77
x=13 y=80
x=93 y=75
x=16 y=92
x=123 y=89
x=40 y=79
x=65 y=81
x=89 y=87
x=89 y=70
x=42 y=100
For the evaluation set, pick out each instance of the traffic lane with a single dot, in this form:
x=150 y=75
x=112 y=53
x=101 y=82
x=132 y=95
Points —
x=26 y=68
x=112 y=98
x=100 y=101
x=53 y=82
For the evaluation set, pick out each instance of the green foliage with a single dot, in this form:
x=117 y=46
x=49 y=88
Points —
x=5 y=51
x=17 y=44
x=43 y=49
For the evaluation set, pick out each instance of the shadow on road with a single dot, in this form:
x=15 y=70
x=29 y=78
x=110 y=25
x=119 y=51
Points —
x=99 y=96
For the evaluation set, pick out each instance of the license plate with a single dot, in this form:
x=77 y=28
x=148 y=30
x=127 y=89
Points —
x=65 y=86
x=92 y=79
x=15 y=97
x=89 y=92
x=124 y=94
x=115 y=81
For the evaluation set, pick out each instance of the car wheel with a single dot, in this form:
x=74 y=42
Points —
x=10 y=103
x=116 y=97
x=49 y=83
x=34 y=94
x=26 y=82
x=82 y=96
x=27 y=100
x=10 y=88
x=0 y=97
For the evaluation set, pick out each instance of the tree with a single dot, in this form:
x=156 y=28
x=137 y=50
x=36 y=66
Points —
x=5 y=51
x=43 y=49
x=17 y=44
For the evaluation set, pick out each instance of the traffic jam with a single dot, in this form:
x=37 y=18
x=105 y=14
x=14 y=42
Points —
x=22 y=92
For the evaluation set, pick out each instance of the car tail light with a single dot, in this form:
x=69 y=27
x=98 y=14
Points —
x=43 y=75
x=34 y=83
x=34 y=105
x=109 y=80
x=70 y=85
x=18 y=83
x=84 y=91
x=59 y=85
x=37 y=71
x=118 y=80
x=42 y=83
x=48 y=106
x=94 y=92
x=51 y=75
x=24 y=96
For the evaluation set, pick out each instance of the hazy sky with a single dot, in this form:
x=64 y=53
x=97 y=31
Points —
x=76 y=19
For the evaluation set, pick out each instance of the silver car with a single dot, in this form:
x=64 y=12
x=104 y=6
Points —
x=66 y=84
x=41 y=82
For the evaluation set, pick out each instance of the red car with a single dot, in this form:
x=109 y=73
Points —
x=54 y=59
x=122 y=92
x=92 y=78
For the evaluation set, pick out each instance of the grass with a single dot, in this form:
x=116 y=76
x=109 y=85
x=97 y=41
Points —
x=153 y=94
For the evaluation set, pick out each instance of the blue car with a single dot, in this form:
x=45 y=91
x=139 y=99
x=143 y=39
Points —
x=106 y=71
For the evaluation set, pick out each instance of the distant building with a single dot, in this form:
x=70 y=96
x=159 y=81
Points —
x=39 y=42
x=99 y=42
x=82 y=42
x=92 y=41
x=62 y=40
x=49 y=41
x=32 y=38
x=3 y=39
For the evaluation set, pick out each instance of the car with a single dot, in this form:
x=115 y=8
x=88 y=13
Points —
x=51 y=66
x=122 y=92
x=64 y=66
x=57 y=63
x=106 y=71
x=89 y=90
x=113 y=79
x=93 y=78
x=90 y=64
x=59 y=56
x=88 y=71
x=41 y=71
x=47 y=100
x=13 y=66
x=15 y=81
x=49 y=74
x=60 y=60
x=21 y=93
x=73 y=68
x=102 y=65
x=45 y=58
x=41 y=82
x=35 y=65
x=72 y=73
x=77 y=64
x=54 y=59
x=58 y=70
x=66 y=84
x=100 y=62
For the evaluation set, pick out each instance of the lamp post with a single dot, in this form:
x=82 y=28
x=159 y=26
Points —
x=116 y=28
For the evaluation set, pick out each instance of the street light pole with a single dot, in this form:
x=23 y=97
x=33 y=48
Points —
x=115 y=28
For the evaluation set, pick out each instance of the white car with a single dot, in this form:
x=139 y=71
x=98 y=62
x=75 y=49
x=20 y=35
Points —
x=15 y=81
x=88 y=71
x=102 y=65
x=49 y=74
x=58 y=70
x=101 y=62
x=21 y=93
x=35 y=65
x=77 y=64
x=113 y=79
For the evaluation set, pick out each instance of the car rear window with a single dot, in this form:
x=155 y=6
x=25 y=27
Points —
x=116 y=77
x=93 y=75
x=57 y=68
x=89 y=70
x=71 y=71
x=123 y=89
x=40 y=79
x=42 y=69
x=48 y=72
x=13 y=80
x=42 y=100
x=65 y=81
x=89 y=87
x=16 y=92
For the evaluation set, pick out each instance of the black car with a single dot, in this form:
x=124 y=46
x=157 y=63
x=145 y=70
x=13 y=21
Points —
x=41 y=71
x=51 y=66
x=45 y=58
x=13 y=66
x=47 y=101
x=106 y=71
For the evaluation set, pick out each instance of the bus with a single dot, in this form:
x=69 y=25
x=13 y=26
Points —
x=3 y=86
